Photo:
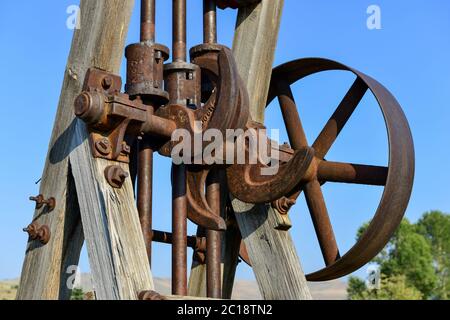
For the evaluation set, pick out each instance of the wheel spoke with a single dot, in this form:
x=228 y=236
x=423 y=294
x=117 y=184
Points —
x=322 y=223
x=294 y=127
x=339 y=119
x=352 y=173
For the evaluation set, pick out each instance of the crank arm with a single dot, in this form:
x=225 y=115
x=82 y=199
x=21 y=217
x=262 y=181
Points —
x=227 y=106
x=199 y=212
x=247 y=182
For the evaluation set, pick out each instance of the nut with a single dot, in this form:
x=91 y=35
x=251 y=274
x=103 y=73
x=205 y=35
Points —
x=150 y=296
x=39 y=233
x=126 y=149
x=39 y=201
x=116 y=176
x=283 y=205
x=51 y=204
x=103 y=146
x=107 y=82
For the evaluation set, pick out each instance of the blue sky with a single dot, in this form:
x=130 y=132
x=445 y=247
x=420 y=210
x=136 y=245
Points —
x=409 y=55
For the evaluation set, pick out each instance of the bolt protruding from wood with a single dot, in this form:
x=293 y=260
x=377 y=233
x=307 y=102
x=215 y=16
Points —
x=116 y=176
x=50 y=203
x=39 y=233
x=103 y=146
x=40 y=202
x=283 y=205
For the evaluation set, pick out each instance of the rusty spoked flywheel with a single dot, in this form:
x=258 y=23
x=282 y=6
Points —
x=397 y=178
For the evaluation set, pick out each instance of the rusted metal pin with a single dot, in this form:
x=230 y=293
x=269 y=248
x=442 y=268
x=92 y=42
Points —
x=116 y=176
x=144 y=192
x=209 y=21
x=213 y=182
x=213 y=242
x=179 y=230
x=179 y=31
x=39 y=233
x=148 y=14
x=194 y=242
x=179 y=200
x=41 y=201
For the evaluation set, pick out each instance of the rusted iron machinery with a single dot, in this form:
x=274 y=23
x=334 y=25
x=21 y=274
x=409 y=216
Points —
x=161 y=98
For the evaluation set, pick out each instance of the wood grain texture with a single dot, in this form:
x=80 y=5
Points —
x=230 y=255
x=116 y=249
x=197 y=280
x=272 y=252
x=99 y=43
x=254 y=47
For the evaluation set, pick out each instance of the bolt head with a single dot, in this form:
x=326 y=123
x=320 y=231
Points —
x=283 y=205
x=116 y=176
x=39 y=201
x=126 y=149
x=107 y=82
x=31 y=230
x=103 y=146
x=51 y=204
x=43 y=234
x=82 y=104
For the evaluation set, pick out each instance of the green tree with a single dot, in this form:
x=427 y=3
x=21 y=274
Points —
x=77 y=294
x=435 y=227
x=391 y=288
x=409 y=253
x=416 y=262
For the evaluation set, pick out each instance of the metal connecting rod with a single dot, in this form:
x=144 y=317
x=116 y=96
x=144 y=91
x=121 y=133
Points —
x=179 y=31
x=179 y=182
x=213 y=185
x=148 y=13
x=213 y=239
x=145 y=194
x=209 y=21
x=145 y=157
x=179 y=231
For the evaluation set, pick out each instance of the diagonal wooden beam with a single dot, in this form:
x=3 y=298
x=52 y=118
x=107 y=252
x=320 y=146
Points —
x=272 y=252
x=74 y=179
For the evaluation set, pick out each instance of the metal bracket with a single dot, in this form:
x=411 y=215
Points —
x=113 y=119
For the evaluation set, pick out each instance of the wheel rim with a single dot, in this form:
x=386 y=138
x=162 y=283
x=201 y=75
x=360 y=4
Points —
x=400 y=173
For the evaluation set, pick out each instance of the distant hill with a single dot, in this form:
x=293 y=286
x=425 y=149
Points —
x=243 y=289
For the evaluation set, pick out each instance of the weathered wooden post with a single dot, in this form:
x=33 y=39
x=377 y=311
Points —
x=83 y=201
x=269 y=249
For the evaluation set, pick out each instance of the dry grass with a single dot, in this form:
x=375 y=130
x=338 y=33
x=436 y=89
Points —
x=8 y=290
x=248 y=290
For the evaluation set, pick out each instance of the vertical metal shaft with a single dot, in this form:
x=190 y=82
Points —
x=209 y=21
x=213 y=240
x=213 y=185
x=144 y=198
x=145 y=153
x=148 y=14
x=179 y=30
x=179 y=231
